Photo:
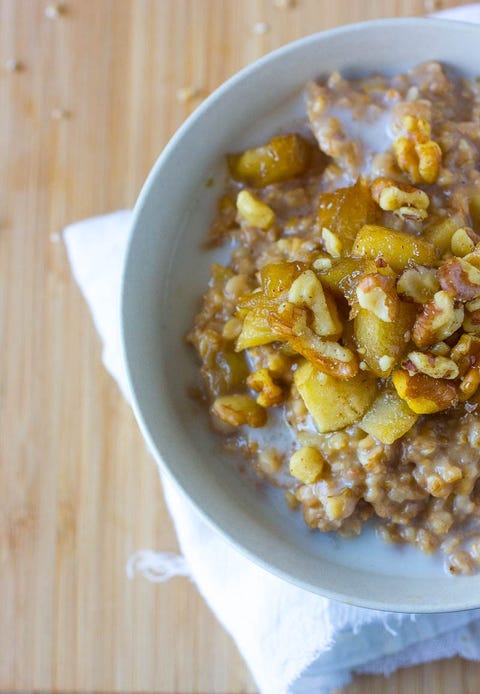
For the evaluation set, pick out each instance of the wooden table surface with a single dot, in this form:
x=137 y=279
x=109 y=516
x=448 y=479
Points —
x=91 y=101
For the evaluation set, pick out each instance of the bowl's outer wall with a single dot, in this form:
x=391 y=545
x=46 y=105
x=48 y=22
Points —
x=166 y=273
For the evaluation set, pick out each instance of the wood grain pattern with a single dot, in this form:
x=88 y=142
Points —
x=79 y=493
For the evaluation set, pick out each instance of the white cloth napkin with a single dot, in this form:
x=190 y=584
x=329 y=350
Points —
x=293 y=641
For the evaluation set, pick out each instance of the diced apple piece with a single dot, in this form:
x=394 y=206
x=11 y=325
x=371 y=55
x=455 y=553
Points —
x=277 y=278
x=380 y=344
x=226 y=370
x=346 y=210
x=342 y=277
x=388 y=418
x=395 y=247
x=283 y=158
x=256 y=330
x=334 y=403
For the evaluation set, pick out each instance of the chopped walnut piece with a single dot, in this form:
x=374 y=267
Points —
x=412 y=214
x=459 y=279
x=404 y=200
x=254 y=211
x=418 y=284
x=439 y=319
x=377 y=293
x=474 y=257
x=429 y=160
x=289 y=323
x=322 y=264
x=469 y=384
x=386 y=362
x=466 y=354
x=307 y=290
x=270 y=393
x=463 y=242
x=440 y=349
x=416 y=153
x=332 y=243
x=240 y=409
x=471 y=322
x=473 y=305
x=431 y=365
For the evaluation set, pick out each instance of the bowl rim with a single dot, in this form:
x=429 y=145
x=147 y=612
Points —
x=234 y=538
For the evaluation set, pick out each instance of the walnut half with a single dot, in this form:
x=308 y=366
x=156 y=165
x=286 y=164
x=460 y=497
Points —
x=404 y=200
x=430 y=364
x=439 y=319
x=377 y=293
x=459 y=279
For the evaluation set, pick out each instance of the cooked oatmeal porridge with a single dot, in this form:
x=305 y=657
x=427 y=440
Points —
x=340 y=346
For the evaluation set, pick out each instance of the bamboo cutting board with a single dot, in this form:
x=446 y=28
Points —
x=88 y=98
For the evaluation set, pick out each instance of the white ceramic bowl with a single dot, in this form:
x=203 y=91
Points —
x=166 y=273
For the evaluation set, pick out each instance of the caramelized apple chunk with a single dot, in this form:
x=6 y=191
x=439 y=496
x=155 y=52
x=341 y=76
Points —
x=283 y=158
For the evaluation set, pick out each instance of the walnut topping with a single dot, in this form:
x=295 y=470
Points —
x=377 y=293
x=332 y=243
x=270 y=393
x=418 y=284
x=307 y=291
x=238 y=410
x=470 y=383
x=289 y=323
x=463 y=241
x=413 y=214
x=474 y=257
x=431 y=365
x=459 y=279
x=406 y=201
x=471 y=322
x=466 y=354
x=322 y=264
x=385 y=362
x=416 y=153
x=440 y=349
x=473 y=305
x=439 y=319
x=254 y=211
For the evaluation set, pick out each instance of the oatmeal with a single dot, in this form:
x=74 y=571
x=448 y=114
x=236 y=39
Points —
x=340 y=345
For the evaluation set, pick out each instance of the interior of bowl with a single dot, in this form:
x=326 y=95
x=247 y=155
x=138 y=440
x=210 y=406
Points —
x=166 y=273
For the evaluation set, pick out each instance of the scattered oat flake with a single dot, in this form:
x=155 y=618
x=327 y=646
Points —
x=60 y=113
x=261 y=28
x=188 y=93
x=284 y=4
x=54 y=10
x=13 y=65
